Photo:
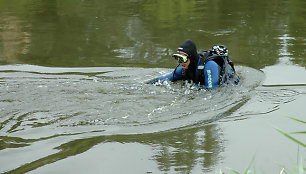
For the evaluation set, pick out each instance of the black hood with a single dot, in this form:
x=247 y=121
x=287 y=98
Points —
x=189 y=47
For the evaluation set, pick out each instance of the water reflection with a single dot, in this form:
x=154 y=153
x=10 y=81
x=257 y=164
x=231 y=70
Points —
x=14 y=40
x=178 y=151
x=145 y=33
x=183 y=151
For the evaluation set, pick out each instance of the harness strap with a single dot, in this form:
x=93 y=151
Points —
x=174 y=72
x=201 y=65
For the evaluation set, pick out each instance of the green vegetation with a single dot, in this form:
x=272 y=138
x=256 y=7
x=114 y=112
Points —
x=298 y=169
x=291 y=137
x=247 y=170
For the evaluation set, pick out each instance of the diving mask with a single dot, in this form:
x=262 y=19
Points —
x=180 y=58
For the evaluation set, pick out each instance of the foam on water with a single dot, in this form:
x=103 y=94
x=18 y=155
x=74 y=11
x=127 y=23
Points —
x=49 y=101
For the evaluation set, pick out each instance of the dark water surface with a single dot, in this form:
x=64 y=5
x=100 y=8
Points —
x=72 y=97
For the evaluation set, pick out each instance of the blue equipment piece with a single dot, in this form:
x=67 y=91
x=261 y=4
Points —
x=172 y=77
x=211 y=74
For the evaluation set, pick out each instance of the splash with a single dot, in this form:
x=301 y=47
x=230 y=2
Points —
x=49 y=101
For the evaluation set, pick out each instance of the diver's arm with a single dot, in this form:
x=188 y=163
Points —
x=177 y=76
x=211 y=74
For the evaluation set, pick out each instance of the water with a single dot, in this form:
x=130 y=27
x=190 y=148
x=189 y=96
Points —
x=42 y=104
x=103 y=98
x=73 y=98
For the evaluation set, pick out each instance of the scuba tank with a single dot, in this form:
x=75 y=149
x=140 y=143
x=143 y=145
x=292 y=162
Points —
x=219 y=54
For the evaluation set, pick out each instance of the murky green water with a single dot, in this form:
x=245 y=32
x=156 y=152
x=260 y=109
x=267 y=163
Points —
x=72 y=98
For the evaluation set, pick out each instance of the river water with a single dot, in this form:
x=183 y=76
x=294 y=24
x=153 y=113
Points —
x=73 y=97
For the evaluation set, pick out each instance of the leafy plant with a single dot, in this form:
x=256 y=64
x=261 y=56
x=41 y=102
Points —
x=247 y=170
x=292 y=138
x=300 y=167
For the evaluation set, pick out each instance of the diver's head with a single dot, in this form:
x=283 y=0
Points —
x=186 y=53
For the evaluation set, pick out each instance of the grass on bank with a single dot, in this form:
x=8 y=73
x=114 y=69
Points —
x=298 y=169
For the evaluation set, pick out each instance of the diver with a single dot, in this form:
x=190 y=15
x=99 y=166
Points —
x=206 y=69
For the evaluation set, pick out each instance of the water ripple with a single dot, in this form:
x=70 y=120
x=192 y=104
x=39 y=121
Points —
x=49 y=101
